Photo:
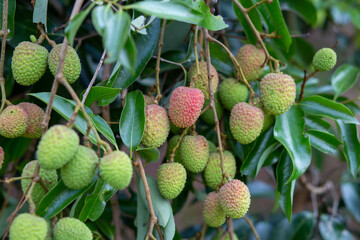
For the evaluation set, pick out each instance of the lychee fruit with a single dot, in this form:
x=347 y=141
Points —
x=171 y=178
x=212 y=147
x=13 y=122
x=149 y=100
x=213 y=214
x=201 y=81
x=71 y=228
x=171 y=144
x=2 y=156
x=269 y=119
x=208 y=115
x=194 y=153
x=251 y=60
x=28 y=227
x=36 y=115
x=324 y=59
x=232 y=92
x=220 y=233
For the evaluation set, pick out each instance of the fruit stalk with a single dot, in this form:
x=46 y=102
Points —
x=4 y=34
x=229 y=222
x=248 y=220
x=157 y=68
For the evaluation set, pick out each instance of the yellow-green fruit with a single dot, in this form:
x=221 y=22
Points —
x=246 y=122
x=278 y=92
x=201 y=81
x=29 y=63
x=194 y=153
x=171 y=144
x=251 y=60
x=213 y=174
x=57 y=146
x=234 y=198
x=171 y=178
x=48 y=177
x=13 y=122
x=208 y=115
x=324 y=59
x=269 y=119
x=212 y=147
x=80 y=170
x=157 y=126
x=212 y=212
x=232 y=92
x=71 y=229
x=36 y=115
x=72 y=65
x=28 y=227
x=116 y=169
x=227 y=236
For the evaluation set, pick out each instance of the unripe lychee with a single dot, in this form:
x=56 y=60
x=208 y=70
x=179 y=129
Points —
x=157 y=126
x=71 y=228
x=208 y=115
x=278 y=92
x=246 y=122
x=57 y=146
x=227 y=236
x=324 y=59
x=201 y=81
x=29 y=63
x=251 y=60
x=2 y=156
x=72 y=65
x=116 y=169
x=13 y=122
x=36 y=115
x=213 y=175
x=185 y=106
x=269 y=119
x=171 y=178
x=28 y=227
x=212 y=212
x=234 y=198
x=80 y=170
x=194 y=153
x=212 y=147
x=232 y=92
x=171 y=144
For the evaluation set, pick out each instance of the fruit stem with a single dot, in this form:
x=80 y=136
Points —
x=257 y=4
x=157 y=68
x=172 y=155
x=248 y=220
x=230 y=229
x=304 y=82
x=4 y=34
x=43 y=35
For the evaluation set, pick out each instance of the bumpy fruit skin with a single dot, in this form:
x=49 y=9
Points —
x=72 y=65
x=2 y=156
x=278 y=92
x=171 y=179
x=36 y=115
x=29 y=63
x=185 y=106
x=234 y=198
x=48 y=177
x=194 y=153
x=149 y=100
x=213 y=174
x=116 y=169
x=227 y=236
x=80 y=170
x=201 y=81
x=208 y=115
x=213 y=214
x=57 y=146
x=232 y=92
x=324 y=59
x=157 y=126
x=269 y=119
x=13 y=122
x=71 y=229
x=212 y=147
x=246 y=122
x=171 y=144
x=28 y=227
x=251 y=59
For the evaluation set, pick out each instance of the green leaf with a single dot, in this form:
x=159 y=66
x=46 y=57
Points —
x=104 y=95
x=320 y=106
x=14 y=149
x=40 y=12
x=333 y=229
x=132 y=120
x=142 y=214
x=149 y=154
x=221 y=60
x=323 y=141
x=344 y=78
x=128 y=54
x=11 y=17
x=316 y=123
x=100 y=16
x=305 y=9
x=289 y=131
x=301 y=227
x=350 y=190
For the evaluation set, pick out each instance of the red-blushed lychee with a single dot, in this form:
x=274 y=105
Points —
x=234 y=198
x=185 y=106
x=13 y=122
x=36 y=115
x=171 y=178
x=201 y=81
x=251 y=60
x=194 y=153
x=2 y=156
x=232 y=92
x=157 y=126
x=213 y=214
x=149 y=100
x=246 y=122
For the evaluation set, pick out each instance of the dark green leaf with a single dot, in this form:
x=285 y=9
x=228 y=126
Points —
x=221 y=60
x=323 y=141
x=316 y=123
x=351 y=195
x=128 y=54
x=100 y=16
x=104 y=95
x=305 y=9
x=11 y=17
x=14 y=149
x=148 y=154
x=301 y=227
x=344 y=78
x=333 y=229
x=40 y=12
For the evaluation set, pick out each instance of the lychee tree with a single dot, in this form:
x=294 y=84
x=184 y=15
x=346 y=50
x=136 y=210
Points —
x=179 y=119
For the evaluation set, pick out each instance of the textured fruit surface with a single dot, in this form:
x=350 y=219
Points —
x=48 y=177
x=232 y=92
x=171 y=179
x=251 y=59
x=208 y=115
x=278 y=92
x=213 y=174
x=157 y=126
x=57 y=146
x=324 y=59
x=171 y=144
x=116 y=169
x=13 y=122
x=234 y=198
x=227 y=236
x=36 y=115
x=212 y=147
x=269 y=119
x=213 y=214
x=149 y=100
x=72 y=65
x=185 y=106
x=71 y=229
x=246 y=122
x=80 y=170
x=29 y=63
x=201 y=81
x=194 y=153
x=2 y=156
x=28 y=227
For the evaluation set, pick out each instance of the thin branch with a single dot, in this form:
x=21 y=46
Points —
x=257 y=4
x=157 y=68
x=229 y=222
x=4 y=34
x=248 y=220
x=304 y=82
x=314 y=189
x=172 y=155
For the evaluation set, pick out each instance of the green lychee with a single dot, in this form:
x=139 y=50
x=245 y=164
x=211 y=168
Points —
x=36 y=115
x=269 y=119
x=208 y=115
x=201 y=81
x=212 y=212
x=324 y=59
x=171 y=144
x=171 y=178
x=13 y=122
x=212 y=147
x=28 y=227
x=71 y=229
x=232 y=92
x=251 y=60
x=194 y=153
